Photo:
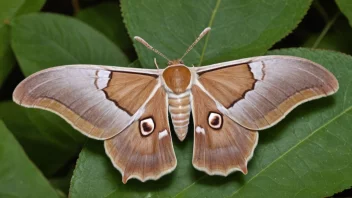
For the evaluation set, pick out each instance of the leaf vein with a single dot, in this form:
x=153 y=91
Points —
x=209 y=25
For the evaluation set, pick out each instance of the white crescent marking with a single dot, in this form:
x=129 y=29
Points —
x=162 y=134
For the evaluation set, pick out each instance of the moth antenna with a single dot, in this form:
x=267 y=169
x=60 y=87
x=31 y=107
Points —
x=201 y=35
x=156 y=64
x=139 y=39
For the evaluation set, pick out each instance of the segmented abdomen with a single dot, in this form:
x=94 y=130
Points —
x=180 y=108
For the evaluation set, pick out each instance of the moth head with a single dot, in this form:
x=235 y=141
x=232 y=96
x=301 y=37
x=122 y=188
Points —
x=175 y=62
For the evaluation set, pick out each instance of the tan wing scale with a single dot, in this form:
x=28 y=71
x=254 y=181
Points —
x=147 y=156
x=258 y=92
x=96 y=100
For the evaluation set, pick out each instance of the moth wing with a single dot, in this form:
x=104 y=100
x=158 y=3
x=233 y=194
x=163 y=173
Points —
x=141 y=155
x=258 y=92
x=219 y=151
x=99 y=101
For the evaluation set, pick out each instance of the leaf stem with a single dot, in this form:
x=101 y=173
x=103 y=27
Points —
x=325 y=30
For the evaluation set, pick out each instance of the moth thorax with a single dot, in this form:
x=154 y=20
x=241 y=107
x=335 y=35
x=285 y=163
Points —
x=177 y=78
x=180 y=108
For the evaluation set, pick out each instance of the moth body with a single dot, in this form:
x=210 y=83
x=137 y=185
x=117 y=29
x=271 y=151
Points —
x=177 y=80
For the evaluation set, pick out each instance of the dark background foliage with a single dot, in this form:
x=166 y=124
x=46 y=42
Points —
x=324 y=26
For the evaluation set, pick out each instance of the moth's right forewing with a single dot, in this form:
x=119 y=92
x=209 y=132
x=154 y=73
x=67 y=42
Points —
x=258 y=92
x=99 y=101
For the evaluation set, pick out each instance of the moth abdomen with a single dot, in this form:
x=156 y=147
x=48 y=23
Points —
x=180 y=108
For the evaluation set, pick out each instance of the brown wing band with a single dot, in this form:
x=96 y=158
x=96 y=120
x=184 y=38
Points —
x=228 y=84
x=129 y=90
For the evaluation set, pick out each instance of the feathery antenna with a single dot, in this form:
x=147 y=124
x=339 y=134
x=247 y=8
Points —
x=201 y=35
x=139 y=39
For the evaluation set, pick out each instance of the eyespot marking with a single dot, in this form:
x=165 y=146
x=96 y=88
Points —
x=146 y=126
x=215 y=120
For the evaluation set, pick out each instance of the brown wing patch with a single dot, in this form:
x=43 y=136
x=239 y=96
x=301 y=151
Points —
x=141 y=156
x=228 y=84
x=219 y=150
x=129 y=90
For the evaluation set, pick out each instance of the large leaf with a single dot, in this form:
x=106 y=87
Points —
x=46 y=40
x=240 y=28
x=346 y=8
x=8 y=11
x=19 y=177
x=48 y=140
x=106 y=18
x=307 y=154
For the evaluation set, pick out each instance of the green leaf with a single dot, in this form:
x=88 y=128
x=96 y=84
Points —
x=46 y=40
x=62 y=182
x=307 y=154
x=7 y=60
x=48 y=140
x=93 y=164
x=337 y=38
x=346 y=8
x=8 y=11
x=240 y=28
x=19 y=177
x=106 y=18
x=135 y=64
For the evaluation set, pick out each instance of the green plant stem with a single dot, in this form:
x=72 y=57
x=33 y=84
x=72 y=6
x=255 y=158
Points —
x=325 y=30
x=321 y=10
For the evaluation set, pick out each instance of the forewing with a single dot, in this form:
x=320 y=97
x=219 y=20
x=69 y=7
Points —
x=99 y=101
x=141 y=155
x=258 y=92
x=219 y=150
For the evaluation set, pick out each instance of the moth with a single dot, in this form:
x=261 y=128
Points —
x=129 y=108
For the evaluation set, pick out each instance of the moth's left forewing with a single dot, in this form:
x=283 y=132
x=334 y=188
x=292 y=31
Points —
x=95 y=100
x=140 y=154
x=258 y=92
